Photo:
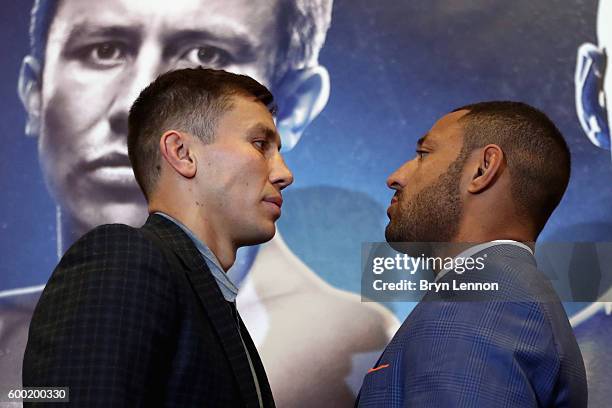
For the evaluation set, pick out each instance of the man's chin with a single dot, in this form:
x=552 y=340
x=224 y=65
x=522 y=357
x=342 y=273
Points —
x=392 y=236
x=90 y=215
x=393 y=239
x=413 y=249
x=263 y=235
x=403 y=243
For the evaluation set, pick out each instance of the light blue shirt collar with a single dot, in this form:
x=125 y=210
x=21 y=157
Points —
x=226 y=285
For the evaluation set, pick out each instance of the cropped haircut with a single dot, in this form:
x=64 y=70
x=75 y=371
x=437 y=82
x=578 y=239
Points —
x=302 y=23
x=537 y=155
x=190 y=100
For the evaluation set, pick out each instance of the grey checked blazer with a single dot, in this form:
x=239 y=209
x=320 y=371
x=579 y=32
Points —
x=122 y=328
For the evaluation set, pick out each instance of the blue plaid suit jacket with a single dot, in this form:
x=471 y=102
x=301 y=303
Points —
x=120 y=326
x=511 y=348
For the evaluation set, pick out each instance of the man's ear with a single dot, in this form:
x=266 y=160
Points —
x=488 y=167
x=29 y=90
x=175 y=148
x=590 y=97
x=304 y=95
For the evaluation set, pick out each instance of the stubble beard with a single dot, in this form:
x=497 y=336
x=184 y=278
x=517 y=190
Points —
x=433 y=214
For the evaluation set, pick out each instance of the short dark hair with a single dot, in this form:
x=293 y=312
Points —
x=190 y=100
x=538 y=157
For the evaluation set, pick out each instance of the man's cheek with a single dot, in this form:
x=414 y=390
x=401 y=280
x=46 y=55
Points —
x=62 y=118
x=77 y=107
x=58 y=118
x=81 y=71
x=90 y=88
x=95 y=90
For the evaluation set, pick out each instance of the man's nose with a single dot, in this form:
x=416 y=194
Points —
x=147 y=65
x=397 y=179
x=280 y=175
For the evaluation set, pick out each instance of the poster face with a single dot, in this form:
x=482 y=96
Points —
x=372 y=84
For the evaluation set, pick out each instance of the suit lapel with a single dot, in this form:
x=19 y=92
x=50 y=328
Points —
x=212 y=300
x=264 y=385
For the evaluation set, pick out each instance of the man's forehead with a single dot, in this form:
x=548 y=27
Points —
x=248 y=111
x=250 y=117
x=446 y=128
x=243 y=17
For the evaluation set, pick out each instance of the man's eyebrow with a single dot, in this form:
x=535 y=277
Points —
x=242 y=45
x=80 y=30
x=270 y=134
x=426 y=138
x=422 y=140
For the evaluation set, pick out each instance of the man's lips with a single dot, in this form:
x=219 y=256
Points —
x=393 y=201
x=278 y=200
x=111 y=170
x=109 y=160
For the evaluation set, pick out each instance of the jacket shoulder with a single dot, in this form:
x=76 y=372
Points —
x=108 y=256
x=112 y=243
x=109 y=308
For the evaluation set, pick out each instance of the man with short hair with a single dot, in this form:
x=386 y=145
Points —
x=486 y=176
x=88 y=62
x=147 y=316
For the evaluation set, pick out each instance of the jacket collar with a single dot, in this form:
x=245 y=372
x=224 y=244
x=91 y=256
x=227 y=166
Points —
x=216 y=307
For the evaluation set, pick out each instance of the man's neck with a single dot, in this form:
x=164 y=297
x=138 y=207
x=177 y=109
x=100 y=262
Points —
x=222 y=247
x=67 y=231
x=477 y=229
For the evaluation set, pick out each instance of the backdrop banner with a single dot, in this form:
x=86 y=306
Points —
x=357 y=83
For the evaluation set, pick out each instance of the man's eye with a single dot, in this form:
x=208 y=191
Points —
x=105 y=54
x=207 y=56
x=261 y=144
x=421 y=154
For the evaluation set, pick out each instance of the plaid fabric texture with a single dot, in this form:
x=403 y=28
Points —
x=121 y=328
x=510 y=349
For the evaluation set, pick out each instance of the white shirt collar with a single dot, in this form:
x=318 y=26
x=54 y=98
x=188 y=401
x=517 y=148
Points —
x=481 y=247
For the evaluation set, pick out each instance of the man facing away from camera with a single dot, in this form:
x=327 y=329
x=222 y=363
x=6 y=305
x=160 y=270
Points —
x=147 y=316
x=487 y=177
